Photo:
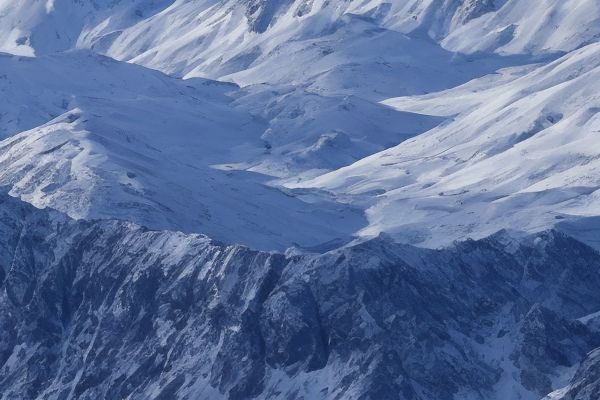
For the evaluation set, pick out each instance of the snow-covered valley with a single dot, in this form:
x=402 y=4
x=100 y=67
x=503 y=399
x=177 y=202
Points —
x=309 y=138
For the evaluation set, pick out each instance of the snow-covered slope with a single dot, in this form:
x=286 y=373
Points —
x=520 y=151
x=308 y=133
x=314 y=71
x=313 y=54
x=229 y=36
x=318 y=68
x=126 y=142
x=525 y=26
x=38 y=27
x=37 y=90
x=327 y=46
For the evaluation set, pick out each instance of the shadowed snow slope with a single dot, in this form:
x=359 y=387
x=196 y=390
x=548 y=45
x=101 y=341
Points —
x=131 y=143
x=520 y=152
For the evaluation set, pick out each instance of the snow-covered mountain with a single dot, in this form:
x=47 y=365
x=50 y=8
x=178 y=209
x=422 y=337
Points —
x=190 y=37
x=310 y=63
x=206 y=199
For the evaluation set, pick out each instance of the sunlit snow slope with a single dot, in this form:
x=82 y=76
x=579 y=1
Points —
x=520 y=151
x=241 y=36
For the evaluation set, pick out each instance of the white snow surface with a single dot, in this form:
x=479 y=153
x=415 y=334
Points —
x=230 y=36
x=496 y=124
x=520 y=151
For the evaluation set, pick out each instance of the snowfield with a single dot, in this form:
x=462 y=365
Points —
x=518 y=151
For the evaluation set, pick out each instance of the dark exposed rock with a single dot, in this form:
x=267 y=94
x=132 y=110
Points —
x=585 y=385
x=471 y=9
x=108 y=309
x=261 y=13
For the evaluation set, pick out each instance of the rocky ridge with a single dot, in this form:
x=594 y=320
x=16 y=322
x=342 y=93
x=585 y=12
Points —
x=108 y=309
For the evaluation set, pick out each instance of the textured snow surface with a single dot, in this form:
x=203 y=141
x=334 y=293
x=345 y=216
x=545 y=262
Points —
x=313 y=75
x=126 y=142
x=519 y=150
x=309 y=136
x=217 y=37
x=96 y=138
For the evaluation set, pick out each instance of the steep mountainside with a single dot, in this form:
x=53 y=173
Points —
x=111 y=310
x=228 y=36
x=313 y=55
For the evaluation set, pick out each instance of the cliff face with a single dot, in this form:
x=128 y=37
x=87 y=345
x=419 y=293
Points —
x=111 y=310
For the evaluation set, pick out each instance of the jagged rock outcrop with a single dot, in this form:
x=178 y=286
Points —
x=261 y=13
x=108 y=309
x=585 y=385
x=471 y=9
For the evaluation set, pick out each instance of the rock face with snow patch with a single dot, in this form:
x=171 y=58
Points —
x=262 y=13
x=111 y=310
x=585 y=385
x=471 y=9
